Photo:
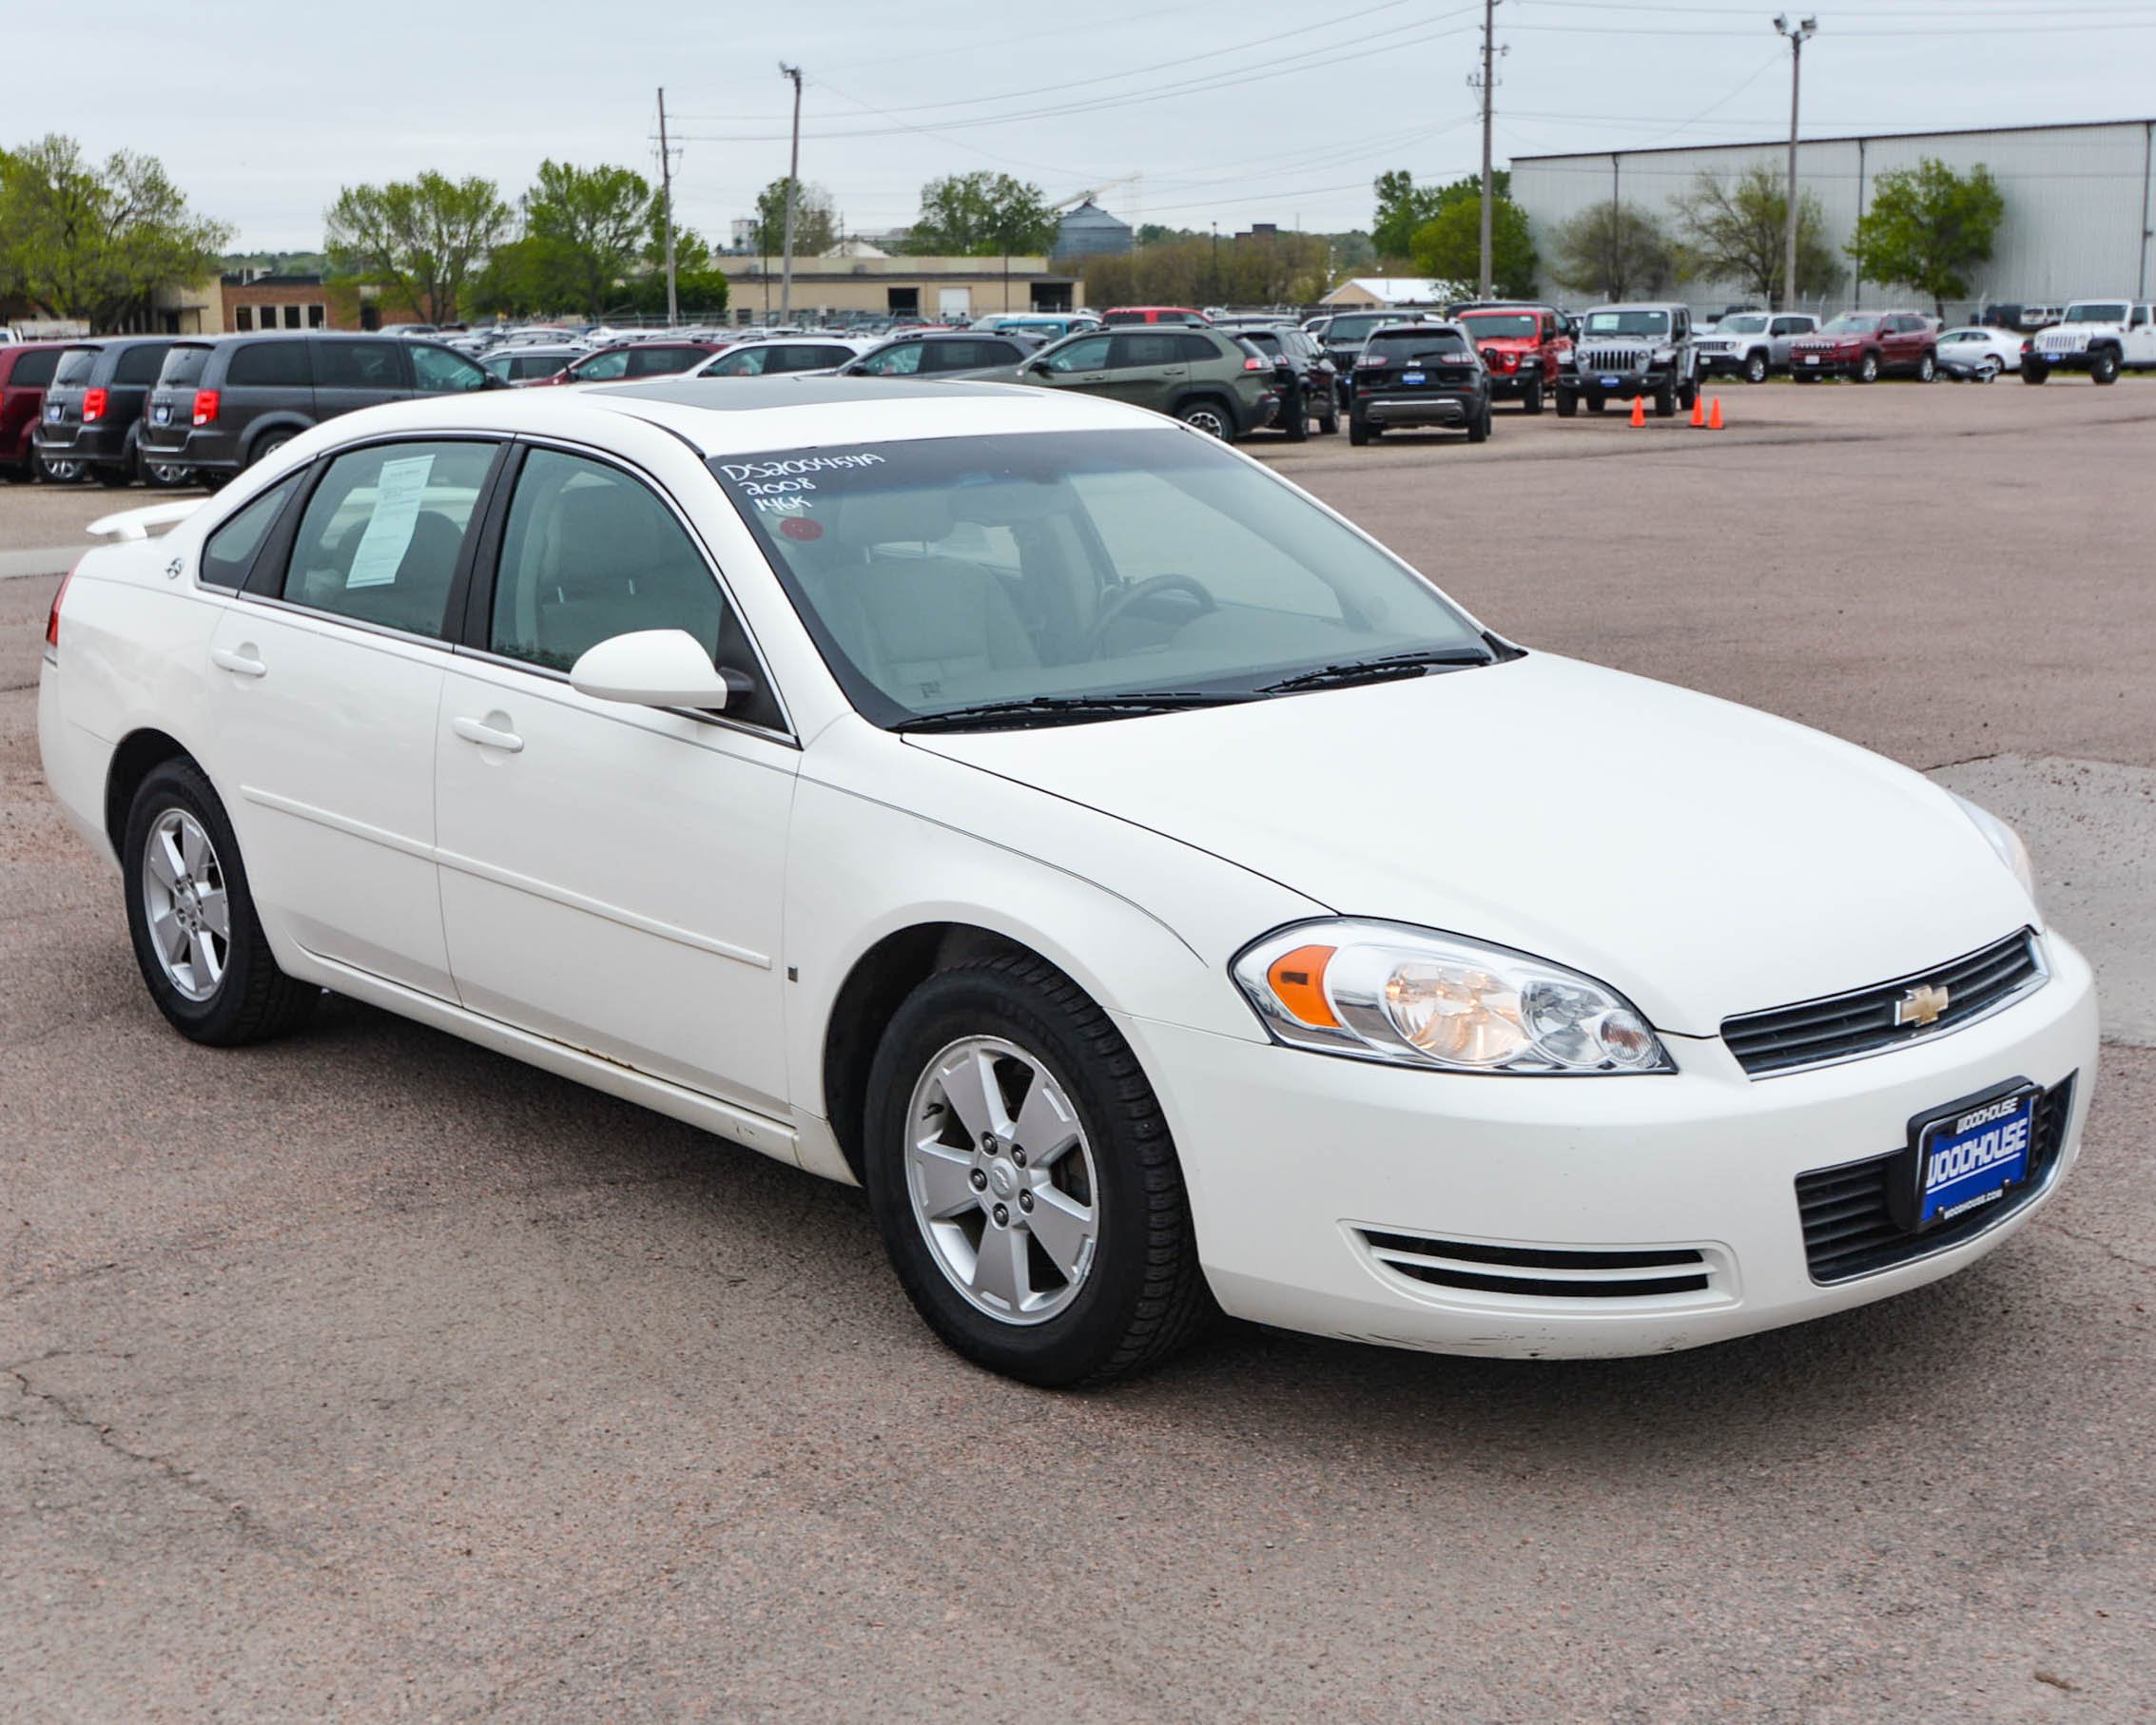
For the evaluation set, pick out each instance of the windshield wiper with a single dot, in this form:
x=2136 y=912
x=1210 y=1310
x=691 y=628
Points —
x=1378 y=671
x=1072 y=707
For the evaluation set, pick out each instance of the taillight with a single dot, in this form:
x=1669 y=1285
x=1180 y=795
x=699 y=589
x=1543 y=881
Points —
x=206 y=407
x=1252 y=364
x=1373 y=360
x=93 y=405
x=52 y=616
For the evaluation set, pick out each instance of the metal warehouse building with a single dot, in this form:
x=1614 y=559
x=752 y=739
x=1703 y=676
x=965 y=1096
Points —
x=2079 y=215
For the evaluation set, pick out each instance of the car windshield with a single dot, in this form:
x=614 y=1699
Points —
x=1628 y=323
x=183 y=367
x=1746 y=325
x=2095 y=311
x=1074 y=569
x=1505 y=323
x=1848 y=324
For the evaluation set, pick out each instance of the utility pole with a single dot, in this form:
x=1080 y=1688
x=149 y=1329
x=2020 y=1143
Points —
x=666 y=199
x=1798 y=35
x=794 y=190
x=1487 y=83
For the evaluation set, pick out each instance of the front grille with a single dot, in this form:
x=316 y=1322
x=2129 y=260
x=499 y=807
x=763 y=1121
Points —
x=1843 y=1027
x=1546 y=1273
x=1849 y=1227
x=2061 y=344
x=1614 y=358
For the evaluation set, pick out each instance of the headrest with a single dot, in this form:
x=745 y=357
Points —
x=896 y=516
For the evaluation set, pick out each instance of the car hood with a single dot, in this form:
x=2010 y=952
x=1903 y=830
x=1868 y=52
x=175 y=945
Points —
x=1703 y=857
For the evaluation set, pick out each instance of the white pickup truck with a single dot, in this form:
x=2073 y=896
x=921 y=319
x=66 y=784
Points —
x=2100 y=337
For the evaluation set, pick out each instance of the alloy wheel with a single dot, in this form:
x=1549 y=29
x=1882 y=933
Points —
x=1001 y=1180
x=184 y=897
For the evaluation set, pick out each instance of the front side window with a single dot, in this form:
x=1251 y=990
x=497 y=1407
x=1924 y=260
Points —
x=742 y=362
x=229 y=552
x=943 y=574
x=379 y=538
x=603 y=368
x=1088 y=355
x=436 y=371
x=900 y=361
x=1628 y=323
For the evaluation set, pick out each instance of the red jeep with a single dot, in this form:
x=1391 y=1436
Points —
x=1521 y=346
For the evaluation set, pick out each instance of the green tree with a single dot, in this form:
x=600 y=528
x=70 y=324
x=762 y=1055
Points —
x=423 y=238
x=815 y=229
x=1737 y=230
x=1404 y=209
x=1929 y=227
x=1254 y=269
x=586 y=229
x=982 y=215
x=1616 y=250
x=1449 y=245
x=94 y=240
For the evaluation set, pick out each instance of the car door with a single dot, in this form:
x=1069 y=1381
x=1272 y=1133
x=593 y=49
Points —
x=1081 y=364
x=611 y=876
x=325 y=680
x=1147 y=367
x=351 y=373
x=1780 y=333
x=2141 y=337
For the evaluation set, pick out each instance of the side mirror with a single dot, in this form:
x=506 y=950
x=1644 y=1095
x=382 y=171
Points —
x=490 y=381
x=1042 y=367
x=654 y=668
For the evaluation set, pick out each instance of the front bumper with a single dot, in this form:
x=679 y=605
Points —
x=1435 y=407
x=1825 y=366
x=1619 y=386
x=1291 y=1157
x=1719 y=363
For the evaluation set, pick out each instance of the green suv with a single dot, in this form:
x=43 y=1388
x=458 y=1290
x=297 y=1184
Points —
x=1205 y=378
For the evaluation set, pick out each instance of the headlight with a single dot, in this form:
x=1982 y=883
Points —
x=2004 y=839
x=1382 y=991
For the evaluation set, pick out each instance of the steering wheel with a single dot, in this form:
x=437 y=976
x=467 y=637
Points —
x=1130 y=598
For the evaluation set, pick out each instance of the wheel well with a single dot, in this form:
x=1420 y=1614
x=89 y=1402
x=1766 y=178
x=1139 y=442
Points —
x=873 y=991
x=276 y=428
x=1194 y=397
x=131 y=763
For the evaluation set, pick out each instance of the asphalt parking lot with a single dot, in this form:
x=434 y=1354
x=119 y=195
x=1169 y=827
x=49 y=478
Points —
x=368 y=1374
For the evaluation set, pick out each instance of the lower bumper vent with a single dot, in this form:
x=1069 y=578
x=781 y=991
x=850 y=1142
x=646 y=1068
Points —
x=1548 y=1272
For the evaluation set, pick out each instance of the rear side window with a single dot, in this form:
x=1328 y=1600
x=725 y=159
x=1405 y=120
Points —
x=1136 y=350
x=380 y=539
x=34 y=369
x=75 y=366
x=183 y=367
x=359 y=365
x=268 y=365
x=230 y=551
x=661 y=361
x=1198 y=349
x=139 y=365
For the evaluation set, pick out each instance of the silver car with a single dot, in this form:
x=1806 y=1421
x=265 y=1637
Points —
x=1752 y=345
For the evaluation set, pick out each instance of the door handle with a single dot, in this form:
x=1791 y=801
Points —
x=240 y=663
x=487 y=736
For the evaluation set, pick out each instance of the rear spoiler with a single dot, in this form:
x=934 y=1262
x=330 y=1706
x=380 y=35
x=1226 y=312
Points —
x=136 y=523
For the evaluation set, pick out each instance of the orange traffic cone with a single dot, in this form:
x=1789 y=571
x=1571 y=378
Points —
x=1638 y=409
x=1698 y=410
x=1714 y=420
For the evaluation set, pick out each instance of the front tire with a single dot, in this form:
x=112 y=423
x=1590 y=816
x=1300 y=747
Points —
x=1756 y=368
x=1867 y=369
x=2034 y=372
x=1666 y=401
x=1532 y=400
x=1567 y=402
x=197 y=939
x=1927 y=368
x=1020 y=1169
x=2103 y=366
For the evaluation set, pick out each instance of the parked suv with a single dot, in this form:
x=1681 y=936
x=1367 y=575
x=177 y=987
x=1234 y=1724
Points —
x=2100 y=337
x=1154 y=314
x=26 y=371
x=1415 y=375
x=945 y=355
x=93 y=411
x=1752 y=345
x=635 y=360
x=1867 y=347
x=222 y=403
x=1625 y=352
x=1341 y=336
x=1305 y=378
x=1523 y=348
x=1205 y=378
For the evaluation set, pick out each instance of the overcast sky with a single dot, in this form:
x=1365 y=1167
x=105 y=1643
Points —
x=1228 y=112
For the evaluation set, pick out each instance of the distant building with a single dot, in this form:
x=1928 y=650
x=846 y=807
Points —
x=1377 y=293
x=1090 y=231
x=959 y=289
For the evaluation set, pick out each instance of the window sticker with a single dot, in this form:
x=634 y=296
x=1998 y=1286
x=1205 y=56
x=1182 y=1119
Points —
x=802 y=528
x=397 y=496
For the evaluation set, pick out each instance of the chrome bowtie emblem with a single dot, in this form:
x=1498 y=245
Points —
x=172 y=570
x=1920 y=1006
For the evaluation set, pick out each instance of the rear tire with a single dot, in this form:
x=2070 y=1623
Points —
x=1360 y=431
x=62 y=471
x=1093 y=1165
x=181 y=864
x=1328 y=424
x=1478 y=428
x=1210 y=417
x=267 y=445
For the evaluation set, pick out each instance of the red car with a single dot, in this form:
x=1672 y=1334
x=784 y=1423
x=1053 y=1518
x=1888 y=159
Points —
x=1867 y=346
x=1152 y=314
x=632 y=362
x=25 y=368
x=1522 y=346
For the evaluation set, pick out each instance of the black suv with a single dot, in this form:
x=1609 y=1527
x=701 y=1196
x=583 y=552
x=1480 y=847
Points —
x=93 y=411
x=224 y=403
x=1307 y=380
x=1419 y=374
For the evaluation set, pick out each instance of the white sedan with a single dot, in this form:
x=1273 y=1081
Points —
x=1158 y=895
x=1979 y=354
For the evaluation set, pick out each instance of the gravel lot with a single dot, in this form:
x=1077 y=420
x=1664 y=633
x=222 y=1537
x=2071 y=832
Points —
x=369 y=1374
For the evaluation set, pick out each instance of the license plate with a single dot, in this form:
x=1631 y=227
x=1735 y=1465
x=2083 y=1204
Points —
x=163 y=415
x=1811 y=358
x=1973 y=1156
x=1609 y=382
x=1411 y=377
